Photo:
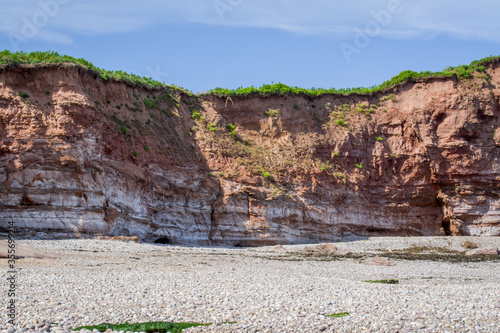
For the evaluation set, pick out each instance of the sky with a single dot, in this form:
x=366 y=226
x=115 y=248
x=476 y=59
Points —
x=203 y=44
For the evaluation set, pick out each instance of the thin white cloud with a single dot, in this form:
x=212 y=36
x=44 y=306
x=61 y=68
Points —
x=328 y=18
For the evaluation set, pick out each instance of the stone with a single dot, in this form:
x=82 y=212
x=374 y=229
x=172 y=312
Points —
x=343 y=252
x=326 y=248
x=378 y=261
x=279 y=249
x=489 y=251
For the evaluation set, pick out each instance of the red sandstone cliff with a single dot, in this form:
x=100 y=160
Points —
x=80 y=154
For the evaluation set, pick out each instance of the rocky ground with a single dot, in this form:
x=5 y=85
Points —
x=267 y=289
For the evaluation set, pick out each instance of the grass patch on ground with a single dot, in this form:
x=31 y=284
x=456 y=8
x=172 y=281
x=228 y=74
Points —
x=338 y=315
x=436 y=253
x=459 y=257
x=150 y=327
x=388 y=281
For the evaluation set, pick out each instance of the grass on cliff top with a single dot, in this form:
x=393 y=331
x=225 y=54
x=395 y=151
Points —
x=150 y=327
x=38 y=57
x=51 y=57
x=463 y=72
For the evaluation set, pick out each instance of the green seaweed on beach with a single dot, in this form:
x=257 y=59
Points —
x=338 y=315
x=150 y=327
x=389 y=281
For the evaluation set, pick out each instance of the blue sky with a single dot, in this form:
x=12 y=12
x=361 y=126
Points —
x=202 y=44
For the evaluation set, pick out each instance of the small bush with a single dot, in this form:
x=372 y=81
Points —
x=379 y=138
x=148 y=103
x=196 y=115
x=340 y=122
x=361 y=107
x=231 y=127
x=136 y=153
x=346 y=107
x=265 y=174
x=336 y=153
x=23 y=95
x=359 y=165
x=272 y=112
x=296 y=107
x=328 y=105
x=146 y=148
x=390 y=97
x=124 y=129
x=211 y=127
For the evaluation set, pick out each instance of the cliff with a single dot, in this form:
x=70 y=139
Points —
x=80 y=154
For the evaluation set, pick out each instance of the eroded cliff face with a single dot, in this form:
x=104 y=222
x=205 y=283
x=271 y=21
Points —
x=82 y=155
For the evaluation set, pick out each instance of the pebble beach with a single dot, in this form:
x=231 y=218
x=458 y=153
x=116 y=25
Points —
x=266 y=289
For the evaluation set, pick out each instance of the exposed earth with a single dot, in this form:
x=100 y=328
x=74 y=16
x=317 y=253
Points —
x=83 y=155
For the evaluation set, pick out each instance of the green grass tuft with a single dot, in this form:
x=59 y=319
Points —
x=124 y=129
x=340 y=122
x=148 y=103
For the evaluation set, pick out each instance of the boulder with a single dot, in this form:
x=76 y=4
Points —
x=489 y=251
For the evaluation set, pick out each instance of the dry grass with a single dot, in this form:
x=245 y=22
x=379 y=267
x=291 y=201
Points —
x=469 y=245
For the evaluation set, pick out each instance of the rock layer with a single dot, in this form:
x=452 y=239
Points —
x=79 y=154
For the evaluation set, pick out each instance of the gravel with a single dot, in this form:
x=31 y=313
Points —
x=96 y=281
